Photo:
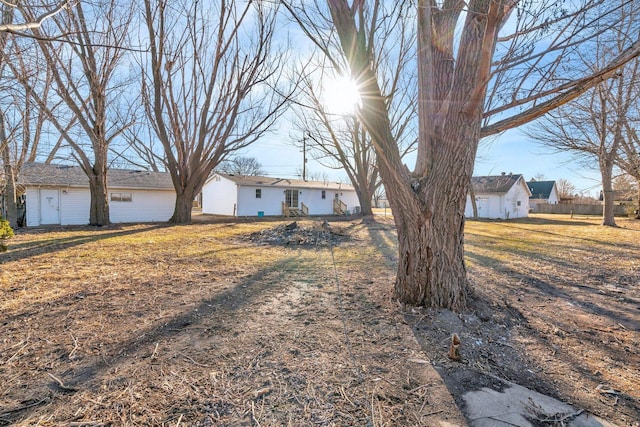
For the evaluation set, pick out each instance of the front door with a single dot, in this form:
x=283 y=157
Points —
x=49 y=206
x=291 y=198
x=483 y=207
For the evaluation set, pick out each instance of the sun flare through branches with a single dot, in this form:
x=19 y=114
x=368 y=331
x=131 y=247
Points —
x=340 y=95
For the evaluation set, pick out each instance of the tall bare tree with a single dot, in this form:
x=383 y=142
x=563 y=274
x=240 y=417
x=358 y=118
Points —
x=337 y=139
x=84 y=45
x=21 y=122
x=206 y=85
x=241 y=166
x=629 y=155
x=8 y=189
x=565 y=188
x=465 y=52
x=339 y=143
x=593 y=125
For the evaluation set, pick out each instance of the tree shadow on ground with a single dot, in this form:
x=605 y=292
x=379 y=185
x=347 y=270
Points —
x=491 y=323
x=25 y=250
x=86 y=376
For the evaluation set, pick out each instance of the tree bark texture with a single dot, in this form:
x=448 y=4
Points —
x=10 y=195
x=431 y=269
x=608 y=196
x=99 y=206
x=10 y=177
x=638 y=201
x=183 y=207
x=365 y=203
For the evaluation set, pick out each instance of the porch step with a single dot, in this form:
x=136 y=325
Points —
x=296 y=212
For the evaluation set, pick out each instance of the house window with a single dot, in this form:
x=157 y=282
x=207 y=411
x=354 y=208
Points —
x=519 y=203
x=258 y=193
x=324 y=194
x=121 y=197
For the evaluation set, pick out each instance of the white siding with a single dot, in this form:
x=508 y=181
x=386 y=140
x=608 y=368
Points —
x=554 y=198
x=74 y=206
x=272 y=197
x=512 y=204
x=33 y=206
x=350 y=197
x=270 y=203
x=219 y=196
x=222 y=196
x=145 y=206
x=316 y=204
x=516 y=201
x=489 y=206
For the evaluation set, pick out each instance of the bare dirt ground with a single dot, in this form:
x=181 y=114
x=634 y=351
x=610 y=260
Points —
x=254 y=324
x=556 y=309
x=209 y=325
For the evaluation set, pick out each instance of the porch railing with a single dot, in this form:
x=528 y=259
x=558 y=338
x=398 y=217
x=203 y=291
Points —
x=339 y=207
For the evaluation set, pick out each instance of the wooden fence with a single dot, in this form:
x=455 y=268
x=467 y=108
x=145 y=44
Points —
x=579 y=209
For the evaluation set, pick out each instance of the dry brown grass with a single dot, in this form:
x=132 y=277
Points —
x=574 y=288
x=198 y=325
x=195 y=325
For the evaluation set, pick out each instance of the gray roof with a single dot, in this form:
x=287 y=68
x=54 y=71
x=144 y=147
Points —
x=263 y=181
x=540 y=189
x=494 y=184
x=74 y=176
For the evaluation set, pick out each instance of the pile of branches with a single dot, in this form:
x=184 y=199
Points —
x=293 y=234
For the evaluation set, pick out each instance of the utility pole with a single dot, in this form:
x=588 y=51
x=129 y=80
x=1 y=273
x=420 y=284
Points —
x=304 y=158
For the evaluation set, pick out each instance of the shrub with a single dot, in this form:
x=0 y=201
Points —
x=5 y=233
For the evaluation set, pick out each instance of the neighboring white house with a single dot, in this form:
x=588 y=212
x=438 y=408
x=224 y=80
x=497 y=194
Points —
x=499 y=197
x=59 y=194
x=543 y=193
x=263 y=196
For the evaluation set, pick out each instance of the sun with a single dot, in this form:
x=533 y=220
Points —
x=340 y=95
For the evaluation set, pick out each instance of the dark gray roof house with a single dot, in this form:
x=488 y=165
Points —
x=74 y=176
x=59 y=194
x=543 y=192
x=541 y=189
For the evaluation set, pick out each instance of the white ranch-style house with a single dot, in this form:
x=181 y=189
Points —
x=503 y=196
x=59 y=194
x=235 y=195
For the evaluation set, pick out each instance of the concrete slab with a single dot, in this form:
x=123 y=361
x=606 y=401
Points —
x=507 y=404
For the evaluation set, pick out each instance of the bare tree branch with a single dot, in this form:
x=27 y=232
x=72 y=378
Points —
x=37 y=21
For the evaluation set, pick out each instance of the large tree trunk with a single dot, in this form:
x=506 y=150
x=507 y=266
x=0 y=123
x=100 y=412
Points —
x=183 y=208
x=365 y=203
x=10 y=185
x=638 y=196
x=608 y=197
x=364 y=195
x=10 y=196
x=99 y=207
x=428 y=203
x=431 y=268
